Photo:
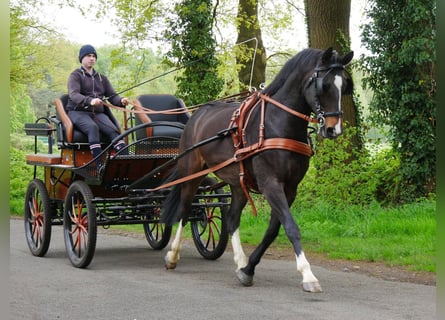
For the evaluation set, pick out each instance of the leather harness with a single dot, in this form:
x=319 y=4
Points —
x=240 y=119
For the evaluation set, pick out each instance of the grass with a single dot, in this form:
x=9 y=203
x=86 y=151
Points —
x=403 y=236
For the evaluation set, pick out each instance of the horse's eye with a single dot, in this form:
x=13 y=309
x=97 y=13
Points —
x=349 y=87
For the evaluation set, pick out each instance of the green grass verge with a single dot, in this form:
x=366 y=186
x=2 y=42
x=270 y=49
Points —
x=402 y=236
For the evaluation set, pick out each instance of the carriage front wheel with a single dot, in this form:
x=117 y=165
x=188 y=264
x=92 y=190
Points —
x=209 y=230
x=37 y=218
x=79 y=224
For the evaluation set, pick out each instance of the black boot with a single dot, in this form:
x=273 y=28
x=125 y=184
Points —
x=96 y=150
x=120 y=148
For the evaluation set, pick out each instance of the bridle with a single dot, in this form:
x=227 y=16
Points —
x=317 y=80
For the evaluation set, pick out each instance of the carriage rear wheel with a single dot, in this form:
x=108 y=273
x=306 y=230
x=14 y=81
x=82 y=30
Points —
x=79 y=224
x=37 y=218
x=210 y=231
x=157 y=234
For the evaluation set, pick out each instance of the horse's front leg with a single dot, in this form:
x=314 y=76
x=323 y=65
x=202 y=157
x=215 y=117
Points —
x=172 y=257
x=280 y=207
x=310 y=282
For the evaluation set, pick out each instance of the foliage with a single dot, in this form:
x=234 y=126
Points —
x=401 y=72
x=32 y=61
x=138 y=21
x=193 y=47
x=20 y=109
x=127 y=70
x=20 y=173
x=342 y=180
x=21 y=68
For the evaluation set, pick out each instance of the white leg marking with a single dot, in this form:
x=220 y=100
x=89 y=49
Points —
x=305 y=269
x=309 y=283
x=238 y=253
x=173 y=255
x=338 y=81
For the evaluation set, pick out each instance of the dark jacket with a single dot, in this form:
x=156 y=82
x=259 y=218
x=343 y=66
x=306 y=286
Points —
x=84 y=87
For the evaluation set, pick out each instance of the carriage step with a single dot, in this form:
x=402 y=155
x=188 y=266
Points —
x=43 y=158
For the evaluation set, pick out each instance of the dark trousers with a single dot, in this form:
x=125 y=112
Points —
x=92 y=124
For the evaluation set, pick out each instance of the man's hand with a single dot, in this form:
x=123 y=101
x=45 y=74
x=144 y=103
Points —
x=125 y=101
x=96 y=102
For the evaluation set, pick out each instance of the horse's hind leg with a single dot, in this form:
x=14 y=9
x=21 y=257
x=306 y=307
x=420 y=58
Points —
x=172 y=257
x=233 y=221
x=188 y=191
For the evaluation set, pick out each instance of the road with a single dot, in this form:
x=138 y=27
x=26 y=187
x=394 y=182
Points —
x=127 y=280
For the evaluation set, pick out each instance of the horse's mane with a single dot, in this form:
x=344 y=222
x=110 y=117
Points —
x=298 y=65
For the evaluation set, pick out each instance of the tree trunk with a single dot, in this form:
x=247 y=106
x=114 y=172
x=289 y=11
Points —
x=328 y=26
x=248 y=28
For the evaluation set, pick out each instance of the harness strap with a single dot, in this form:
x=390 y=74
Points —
x=291 y=111
x=144 y=110
x=244 y=153
x=268 y=144
x=195 y=175
x=274 y=143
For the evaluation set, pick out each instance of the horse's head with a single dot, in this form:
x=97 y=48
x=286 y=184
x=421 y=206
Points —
x=325 y=88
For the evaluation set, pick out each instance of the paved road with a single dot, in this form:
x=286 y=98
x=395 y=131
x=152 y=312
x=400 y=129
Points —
x=127 y=280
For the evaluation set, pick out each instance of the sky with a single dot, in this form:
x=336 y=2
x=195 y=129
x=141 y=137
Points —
x=80 y=29
x=83 y=30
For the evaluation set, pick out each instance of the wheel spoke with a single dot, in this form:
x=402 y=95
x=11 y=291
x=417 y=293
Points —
x=79 y=231
x=36 y=219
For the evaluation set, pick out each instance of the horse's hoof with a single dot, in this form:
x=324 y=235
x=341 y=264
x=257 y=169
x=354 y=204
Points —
x=313 y=287
x=169 y=265
x=245 y=279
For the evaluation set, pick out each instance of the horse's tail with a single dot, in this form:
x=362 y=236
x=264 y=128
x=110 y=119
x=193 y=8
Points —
x=170 y=212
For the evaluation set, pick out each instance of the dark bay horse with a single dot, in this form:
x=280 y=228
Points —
x=312 y=82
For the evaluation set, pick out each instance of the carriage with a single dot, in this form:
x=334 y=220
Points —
x=69 y=189
x=261 y=143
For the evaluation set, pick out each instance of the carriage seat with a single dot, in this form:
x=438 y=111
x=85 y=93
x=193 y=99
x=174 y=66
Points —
x=160 y=102
x=67 y=134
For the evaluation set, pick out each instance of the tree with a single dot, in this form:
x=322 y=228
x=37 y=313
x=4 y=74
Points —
x=401 y=73
x=193 y=48
x=328 y=26
x=248 y=28
x=29 y=63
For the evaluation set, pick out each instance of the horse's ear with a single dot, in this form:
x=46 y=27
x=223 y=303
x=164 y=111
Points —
x=327 y=55
x=347 y=58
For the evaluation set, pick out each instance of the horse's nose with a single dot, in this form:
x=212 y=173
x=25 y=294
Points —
x=330 y=132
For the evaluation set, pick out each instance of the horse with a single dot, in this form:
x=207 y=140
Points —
x=311 y=82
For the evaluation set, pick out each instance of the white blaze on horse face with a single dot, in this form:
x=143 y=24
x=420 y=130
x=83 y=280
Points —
x=338 y=81
x=238 y=253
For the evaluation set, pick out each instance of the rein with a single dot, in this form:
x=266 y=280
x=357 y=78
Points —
x=144 y=110
x=289 y=110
